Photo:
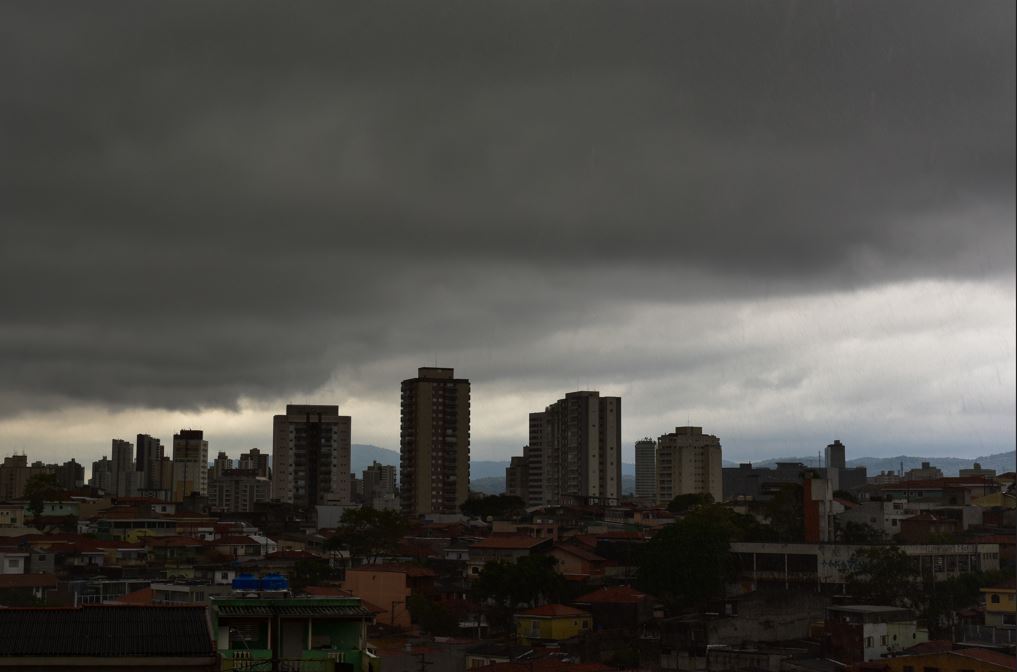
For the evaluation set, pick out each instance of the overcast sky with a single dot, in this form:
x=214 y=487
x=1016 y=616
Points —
x=786 y=222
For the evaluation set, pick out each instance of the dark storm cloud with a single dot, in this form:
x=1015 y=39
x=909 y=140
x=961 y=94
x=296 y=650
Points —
x=207 y=201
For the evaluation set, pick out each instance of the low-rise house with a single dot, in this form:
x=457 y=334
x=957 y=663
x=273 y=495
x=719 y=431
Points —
x=242 y=547
x=20 y=589
x=390 y=586
x=617 y=607
x=859 y=633
x=551 y=622
x=577 y=562
x=293 y=631
x=12 y=515
x=1001 y=605
x=186 y=592
x=13 y=560
x=926 y=528
x=504 y=548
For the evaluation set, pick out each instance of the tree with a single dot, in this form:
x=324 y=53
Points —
x=37 y=489
x=786 y=513
x=690 y=560
x=498 y=507
x=432 y=617
x=883 y=575
x=858 y=533
x=309 y=572
x=369 y=534
x=682 y=503
x=529 y=581
x=846 y=495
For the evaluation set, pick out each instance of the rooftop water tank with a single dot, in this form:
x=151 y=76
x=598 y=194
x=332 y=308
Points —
x=274 y=582
x=245 y=582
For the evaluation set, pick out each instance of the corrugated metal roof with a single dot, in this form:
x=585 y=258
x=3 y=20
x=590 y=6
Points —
x=265 y=611
x=105 y=631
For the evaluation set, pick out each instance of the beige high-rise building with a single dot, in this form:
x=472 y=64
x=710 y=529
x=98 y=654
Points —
x=190 y=464
x=311 y=455
x=124 y=476
x=689 y=462
x=574 y=451
x=434 y=442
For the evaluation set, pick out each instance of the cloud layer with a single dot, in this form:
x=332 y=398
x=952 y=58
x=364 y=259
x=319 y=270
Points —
x=218 y=208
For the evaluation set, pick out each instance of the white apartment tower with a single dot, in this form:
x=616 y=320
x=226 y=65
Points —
x=688 y=462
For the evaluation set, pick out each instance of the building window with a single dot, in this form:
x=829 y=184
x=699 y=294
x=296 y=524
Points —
x=995 y=598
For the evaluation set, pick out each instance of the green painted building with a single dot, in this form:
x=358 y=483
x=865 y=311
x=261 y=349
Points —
x=309 y=634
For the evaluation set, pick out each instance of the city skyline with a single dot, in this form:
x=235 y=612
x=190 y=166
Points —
x=785 y=224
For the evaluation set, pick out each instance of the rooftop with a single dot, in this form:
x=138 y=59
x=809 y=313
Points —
x=105 y=631
x=553 y=611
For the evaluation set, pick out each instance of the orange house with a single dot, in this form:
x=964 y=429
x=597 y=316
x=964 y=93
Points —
x=390 y=586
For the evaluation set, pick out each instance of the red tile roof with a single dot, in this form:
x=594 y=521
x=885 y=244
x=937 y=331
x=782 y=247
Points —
x=509 y=542
x=579 y=552
x=554 y=611
x=991 y=657
x=395 y=568
x=545 y=665
x=143 y=596
x=612 y=595
x=28 y=581
x=174 y=542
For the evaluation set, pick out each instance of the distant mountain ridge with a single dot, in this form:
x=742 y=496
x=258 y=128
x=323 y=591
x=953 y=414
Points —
x=488 y=476
x=950 y=466
x=362 y=454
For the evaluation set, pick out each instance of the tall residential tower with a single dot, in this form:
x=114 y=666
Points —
x=689 y=462
x=646 y=469
x=311 y=456
x=434 y=442
x=574 y=451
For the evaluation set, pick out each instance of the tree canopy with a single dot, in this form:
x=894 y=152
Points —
x=530 y=580
x=368 y=533
x=682 y=503
x=498 y=507
x=883 y=575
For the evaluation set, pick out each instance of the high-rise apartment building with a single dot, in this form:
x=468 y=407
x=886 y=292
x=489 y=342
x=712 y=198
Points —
x=646 y=469
x=190 y=464
x=220 y=464
x=311 y=455
x=148 y=454
x=15 y=473
x=689 y=462
x=575 y=450
x=237 y=490
x=379 y=486
x=517 y=477
x=254 y=460
x=835 y=455
x=124 y=478
x=434 y=442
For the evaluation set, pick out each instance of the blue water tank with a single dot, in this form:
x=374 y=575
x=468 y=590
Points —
x=274 y=582
x=246 y=582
